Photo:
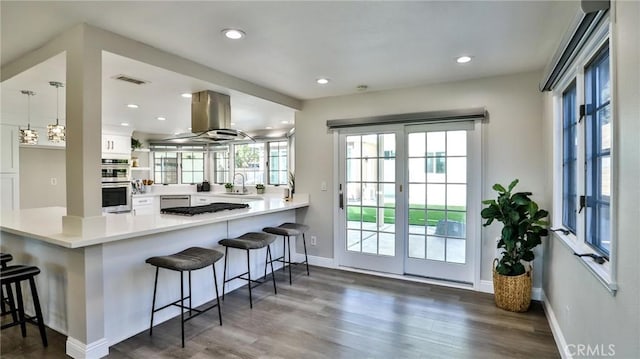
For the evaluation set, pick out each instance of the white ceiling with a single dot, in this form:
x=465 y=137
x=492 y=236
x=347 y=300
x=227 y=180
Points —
x=383 y=45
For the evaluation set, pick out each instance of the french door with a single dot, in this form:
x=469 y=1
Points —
x=409 y=200
x=369 y=202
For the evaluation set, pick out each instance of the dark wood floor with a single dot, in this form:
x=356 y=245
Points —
x=334 y=314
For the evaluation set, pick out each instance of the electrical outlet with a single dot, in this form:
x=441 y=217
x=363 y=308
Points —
x=314 y=240
x=54 y=181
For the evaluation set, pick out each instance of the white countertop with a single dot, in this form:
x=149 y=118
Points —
x=46 y=223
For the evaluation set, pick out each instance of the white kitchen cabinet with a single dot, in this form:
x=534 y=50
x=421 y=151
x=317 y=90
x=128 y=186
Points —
x=9 y=192
x=116 y=145
x=9 y=142
x=197 y=200
x=145 y=205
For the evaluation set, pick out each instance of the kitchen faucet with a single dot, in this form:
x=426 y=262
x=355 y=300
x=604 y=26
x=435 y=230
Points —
x=244 y=190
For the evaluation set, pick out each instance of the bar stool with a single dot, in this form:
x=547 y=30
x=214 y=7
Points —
x=188 y=260
x=249 y=241
x=286 y=230
x=7 y=292
x=14 y=275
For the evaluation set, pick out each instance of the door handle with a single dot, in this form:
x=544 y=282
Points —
x=341 y=198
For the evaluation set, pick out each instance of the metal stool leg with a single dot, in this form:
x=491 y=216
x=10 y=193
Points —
x=182 y=306
x=224 y=272
x=273 y=277
x=289 y=247
x=36 y=306
x=189 y=293
x=153 y=304
x=284 y=252
x=306 y=259
x=215 y=283
x=249 y=276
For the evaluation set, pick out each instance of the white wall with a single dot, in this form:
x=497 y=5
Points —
x=38 y=166
x=586 y=312
x=513 y=140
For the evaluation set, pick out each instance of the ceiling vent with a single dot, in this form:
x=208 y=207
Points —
x=130 y=79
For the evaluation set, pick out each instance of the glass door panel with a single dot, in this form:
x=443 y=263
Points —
x=437 y=204
x=369 y=174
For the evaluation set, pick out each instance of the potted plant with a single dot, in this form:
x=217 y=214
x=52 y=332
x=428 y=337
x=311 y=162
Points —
x=135 y=144
x=228 y=187
x=292 y=182
x=523 y=227
x=260 y=188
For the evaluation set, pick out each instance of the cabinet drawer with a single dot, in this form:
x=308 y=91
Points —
x=142 y=201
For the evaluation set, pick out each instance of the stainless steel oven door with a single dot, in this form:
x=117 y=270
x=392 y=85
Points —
x=116 y=197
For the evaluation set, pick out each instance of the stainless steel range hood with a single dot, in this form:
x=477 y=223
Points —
x=211 y=120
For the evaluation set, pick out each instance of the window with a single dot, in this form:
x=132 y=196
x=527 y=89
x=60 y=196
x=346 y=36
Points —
x=221 y=171
x=165 y=167
x=585 y=121
x=178 y=164
x=192 y=164
x=598 y=152
x=249 y=160
x=569 y=158
x=278 y=163
x=435 y=162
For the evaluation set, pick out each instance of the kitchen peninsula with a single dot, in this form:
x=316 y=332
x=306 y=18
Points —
x=106 y=272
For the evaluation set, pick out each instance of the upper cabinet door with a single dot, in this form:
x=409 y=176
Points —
x=9 y=143
x=116 y=144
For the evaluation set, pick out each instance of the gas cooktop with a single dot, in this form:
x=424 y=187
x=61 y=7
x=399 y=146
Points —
x=207 y=208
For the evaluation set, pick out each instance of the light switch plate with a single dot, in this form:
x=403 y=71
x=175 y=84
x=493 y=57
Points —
x=323 y=186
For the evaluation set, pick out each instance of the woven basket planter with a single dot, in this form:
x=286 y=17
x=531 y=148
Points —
x=512 y=293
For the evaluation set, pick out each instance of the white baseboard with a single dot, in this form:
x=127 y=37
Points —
x=316 y=261
x=486 y=286
x=79 y=350
x=561 y=342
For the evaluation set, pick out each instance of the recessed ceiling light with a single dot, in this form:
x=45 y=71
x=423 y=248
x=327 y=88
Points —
x=232 y=123
x=269 y=128
x=125 y=124
x=322 y=81
x=233 y=34
x=189 y=128
x=161 y=118
x=132 y=105
x=186 y=95
x=463 y=59
x=284 y=122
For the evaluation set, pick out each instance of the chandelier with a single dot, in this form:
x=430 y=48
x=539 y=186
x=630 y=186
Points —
x=28 y=136
x=56 y=133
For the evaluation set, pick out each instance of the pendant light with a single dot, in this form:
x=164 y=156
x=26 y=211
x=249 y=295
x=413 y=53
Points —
x=28 y=136
x=56 y=133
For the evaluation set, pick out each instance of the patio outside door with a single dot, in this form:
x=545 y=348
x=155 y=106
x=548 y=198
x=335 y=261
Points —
x=370 y=237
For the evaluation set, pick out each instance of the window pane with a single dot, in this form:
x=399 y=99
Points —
x=417 y=144
x=457 y=169
x=417 y=246
x=436 y=194
x=417 y=170
x=456 y=249
x=249 y=161
x=457 y=143
x=436 y=142
x=457 y=197
x=369 y=146
x=278 y=162
x=387 y=244
x=417 y=196
x=387 y=195
x=353 y=147
x=435 y=248
x=369 y=242
x=597 y=152
x=569 y=159
x=370 y=170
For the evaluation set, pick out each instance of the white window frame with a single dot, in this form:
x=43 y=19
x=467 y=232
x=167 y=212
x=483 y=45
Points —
x=266 y=168
x=605 y=273
x=179 y=151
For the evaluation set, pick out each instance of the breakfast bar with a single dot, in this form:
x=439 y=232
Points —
x=97 y=289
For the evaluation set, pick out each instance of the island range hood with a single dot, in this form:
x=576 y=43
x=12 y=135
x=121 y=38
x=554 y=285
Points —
x=211 y=120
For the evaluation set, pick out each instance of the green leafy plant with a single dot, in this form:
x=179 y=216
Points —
x=228 y=185
x=259 y=186
x=523 y=227
x=135 y=143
